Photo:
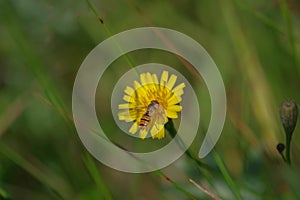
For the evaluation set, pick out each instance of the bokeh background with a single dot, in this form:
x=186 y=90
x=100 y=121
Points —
x=255 y=45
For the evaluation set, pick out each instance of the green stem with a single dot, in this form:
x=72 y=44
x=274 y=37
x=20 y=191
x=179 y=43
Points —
x=57 y=190
x=283 y=158
x=288 y=147
x=94 y=172
x=107 y=30
x=290 y=31
x=267 y=21
x=227 y=177
x=178 y=187
x=172 y=131
x=3 y=195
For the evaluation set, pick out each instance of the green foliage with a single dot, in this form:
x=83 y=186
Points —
x=255 y=44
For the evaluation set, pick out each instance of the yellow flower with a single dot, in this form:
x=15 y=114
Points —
x=150 y=103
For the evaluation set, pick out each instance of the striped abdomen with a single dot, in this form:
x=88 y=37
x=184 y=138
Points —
x=145 y=120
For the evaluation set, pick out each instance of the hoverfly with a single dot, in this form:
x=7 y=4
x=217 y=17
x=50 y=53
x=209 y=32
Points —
x=154 y=115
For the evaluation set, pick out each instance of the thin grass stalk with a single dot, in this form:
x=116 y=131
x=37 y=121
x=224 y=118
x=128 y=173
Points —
x=177 y=186
x=95 y=174
x=109 y=33
x=265 y=20
x=227 y=177
x=290 y=31
x=55 y=189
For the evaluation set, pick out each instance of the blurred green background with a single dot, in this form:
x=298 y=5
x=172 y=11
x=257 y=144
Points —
x=255 y=45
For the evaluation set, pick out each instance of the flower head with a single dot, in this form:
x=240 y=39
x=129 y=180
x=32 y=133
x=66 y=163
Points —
x=289 y=115
x=150 y=103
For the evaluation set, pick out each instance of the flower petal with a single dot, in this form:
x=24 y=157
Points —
x=128 y=98
x=171 y=114
x=171 y=82
x=155 y=79
x=179 y=87
x=126 y=116
x=123 y=106
x=164 y=78
x=156 y=128
x=160 y=134
x=143 y=133
x=143 y=79
x=136 y=85
x=174 y=100
x=175 y=108
x=154 y=131
x=178 y=93
x=149 y=78
x=133 y=129
x=129 y=90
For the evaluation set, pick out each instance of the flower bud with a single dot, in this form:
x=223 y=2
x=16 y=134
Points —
x=289 y=116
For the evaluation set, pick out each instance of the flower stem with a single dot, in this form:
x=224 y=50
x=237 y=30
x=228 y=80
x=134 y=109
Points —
x=288 y=146
x=172 y=131
x=289 y=117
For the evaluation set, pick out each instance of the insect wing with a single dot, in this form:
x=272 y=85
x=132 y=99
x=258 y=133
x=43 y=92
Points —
x=158 y=117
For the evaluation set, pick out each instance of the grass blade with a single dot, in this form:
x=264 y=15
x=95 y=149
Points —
x=107 y=30
x=290 y=31
x=56 y=185
x=212 y=195
x=94 y=172
x=177 y=186
x=227 y=177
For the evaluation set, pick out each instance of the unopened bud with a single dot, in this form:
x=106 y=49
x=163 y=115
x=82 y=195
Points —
x=289 y=115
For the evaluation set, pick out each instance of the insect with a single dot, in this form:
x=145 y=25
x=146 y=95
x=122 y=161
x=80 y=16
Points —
x=154 y=115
